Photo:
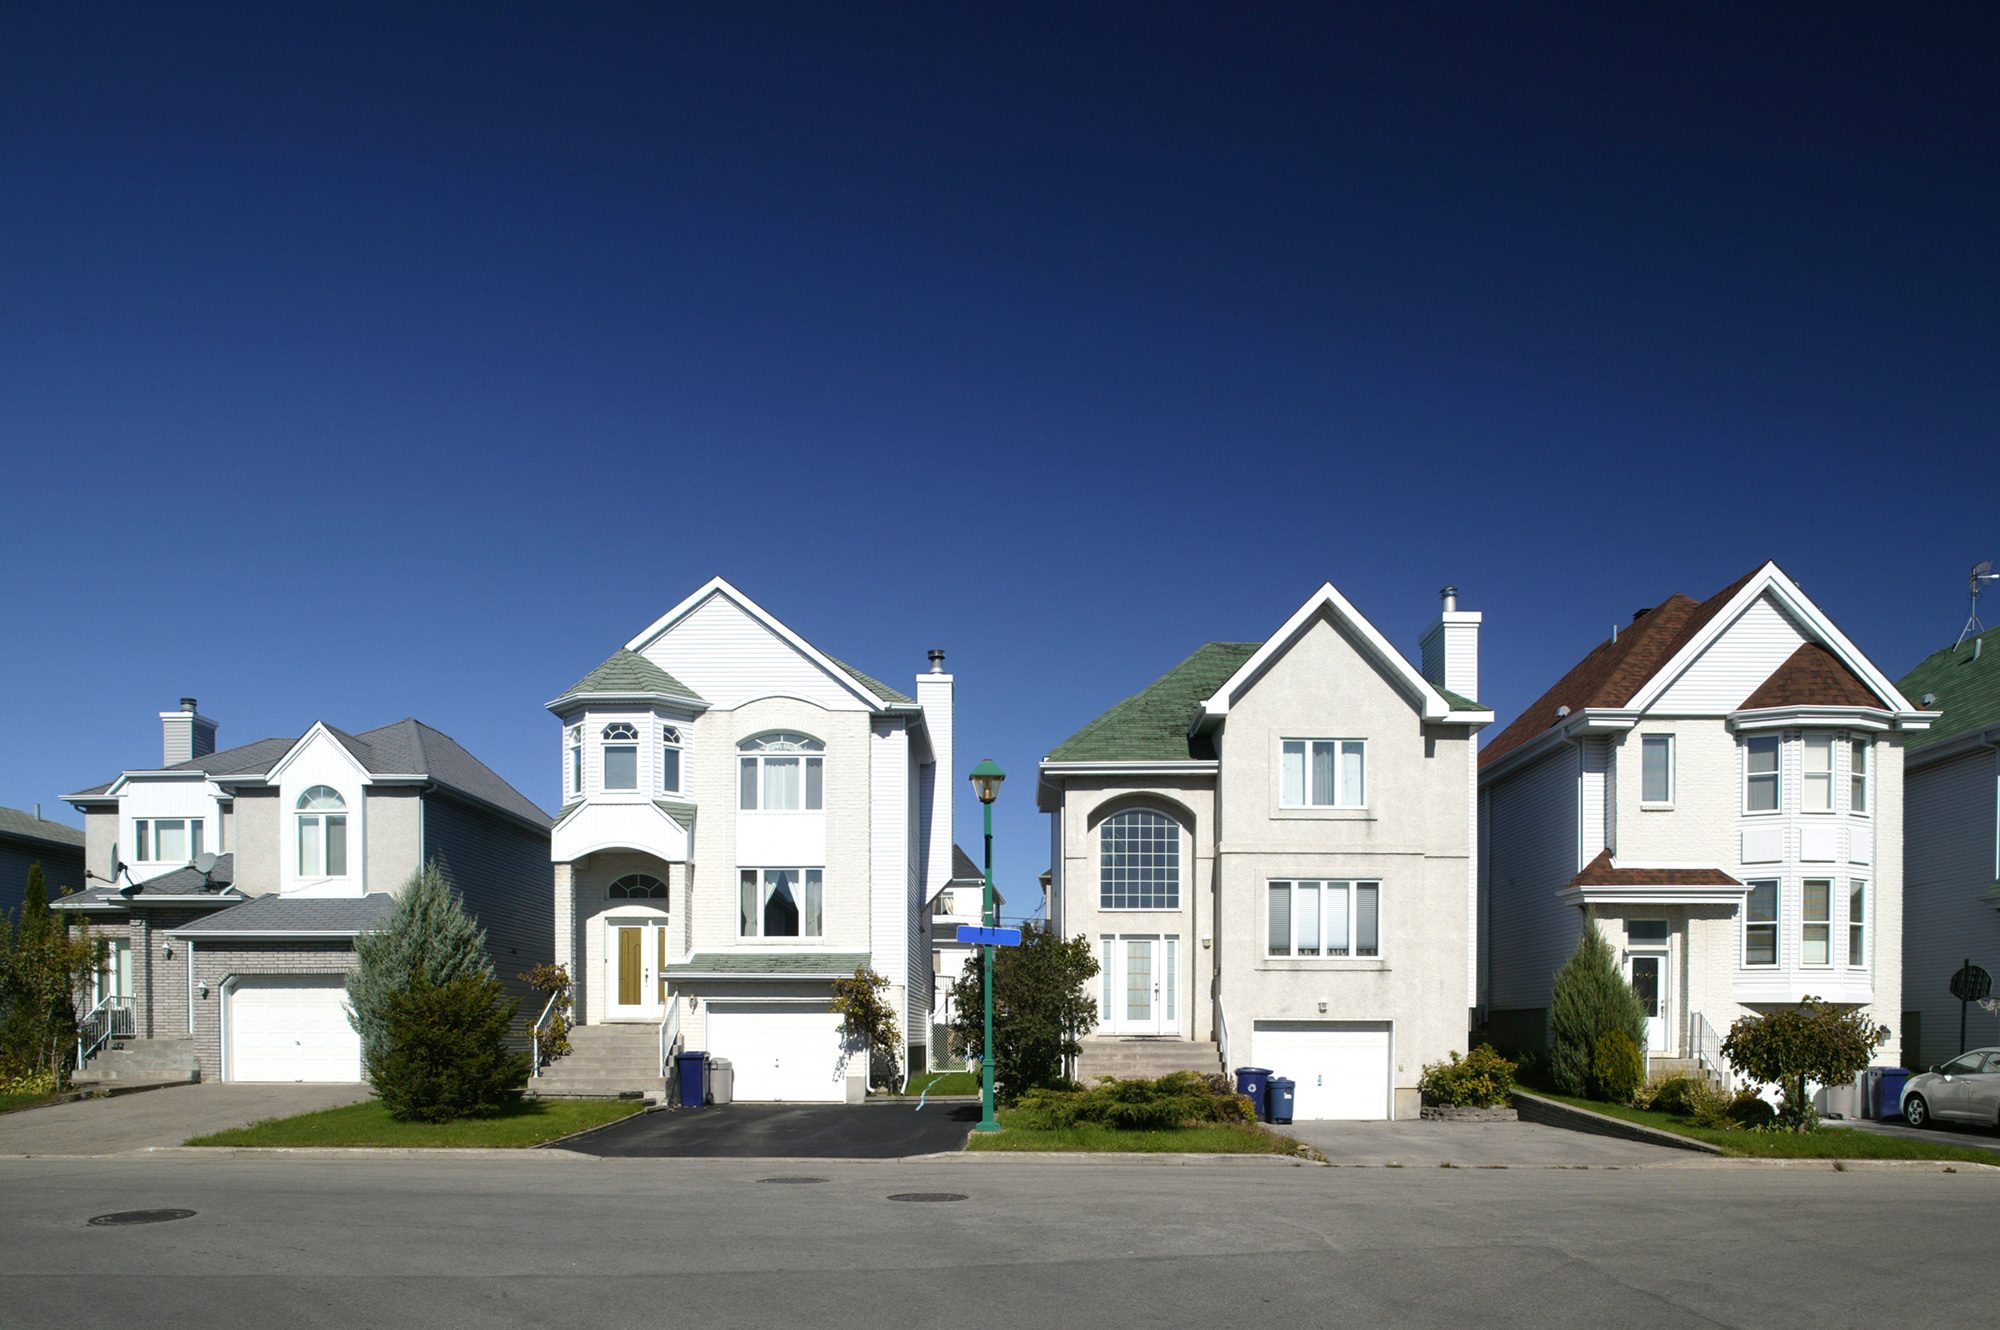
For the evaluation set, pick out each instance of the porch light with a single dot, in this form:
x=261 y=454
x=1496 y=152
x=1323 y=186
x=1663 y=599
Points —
x=986 y=778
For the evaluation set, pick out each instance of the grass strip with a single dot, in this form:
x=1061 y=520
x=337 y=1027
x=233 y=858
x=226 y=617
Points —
x=519 y=1124
x=1091 y=1137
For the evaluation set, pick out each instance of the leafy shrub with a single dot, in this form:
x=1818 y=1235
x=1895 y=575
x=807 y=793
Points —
x=1043 y=1002
x=868 y=1023
x=1590 y=997
x=1182 y=1099
x=1481 y=1079
x=1618 y=1069
x=1749 y=1109
x=553 y=980
x=1677 y=1094
x=1816 y=1041
x=1710 y=1108
x=443 y=1052
x=32 y=1082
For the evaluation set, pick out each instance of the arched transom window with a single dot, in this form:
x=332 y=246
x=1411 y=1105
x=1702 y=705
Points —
x=621 y=756
x=670 y=759
x=1139 y=861
x=639 y=887
x=782 y=773
x=322 y=832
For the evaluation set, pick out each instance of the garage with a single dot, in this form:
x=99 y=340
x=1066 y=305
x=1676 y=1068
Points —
x=781 y=1053
x=290 y=1028
x=1341 y=1068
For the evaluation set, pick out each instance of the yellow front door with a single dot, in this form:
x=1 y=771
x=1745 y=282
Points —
x=629 y=940
x=661 y=968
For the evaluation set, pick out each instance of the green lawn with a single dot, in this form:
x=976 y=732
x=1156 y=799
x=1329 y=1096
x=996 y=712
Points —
x=1092 y=1137
x=943 y=1082
x=522 y=1122
x=1826 y=1143
x=27 y=1099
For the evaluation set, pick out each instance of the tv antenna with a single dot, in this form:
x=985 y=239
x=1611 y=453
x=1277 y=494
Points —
x=1981 y=572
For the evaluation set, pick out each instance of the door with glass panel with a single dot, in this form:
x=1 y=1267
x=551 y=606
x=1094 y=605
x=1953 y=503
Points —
x=1139 y=985
x=636 y=956
x=1646 y=971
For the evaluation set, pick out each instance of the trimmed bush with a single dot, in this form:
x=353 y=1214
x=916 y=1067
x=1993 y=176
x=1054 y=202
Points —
x=1590 y=998
x=1182 y=1099
x=443 y=1051
x=1618 y=1069
x=1481 y=1079
x=1678 y=1094
x=1749 y=1109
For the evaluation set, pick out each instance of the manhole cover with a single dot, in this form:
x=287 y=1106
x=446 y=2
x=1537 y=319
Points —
x=139 y=1217
x=791 y=1180
x=928 y=1196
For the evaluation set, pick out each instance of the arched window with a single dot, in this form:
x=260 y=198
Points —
x=781 y=773
x=621 y=756
x=639 y=887
x=322 y=816
x=1139 y=861
x=670 y=759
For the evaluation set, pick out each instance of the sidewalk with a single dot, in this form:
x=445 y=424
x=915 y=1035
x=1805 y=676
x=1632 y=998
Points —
x=1422 y=1144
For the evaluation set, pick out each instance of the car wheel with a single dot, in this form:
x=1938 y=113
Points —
x=1916 y=1112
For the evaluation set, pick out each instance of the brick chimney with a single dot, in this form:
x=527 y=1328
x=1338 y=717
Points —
x=185 y=734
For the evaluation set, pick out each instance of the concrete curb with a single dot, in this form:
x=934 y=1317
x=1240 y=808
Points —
x=1550 y=1113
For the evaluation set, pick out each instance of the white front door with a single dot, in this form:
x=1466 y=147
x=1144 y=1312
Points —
x=1140 y=991
x=635 y=959
x=1646 y=971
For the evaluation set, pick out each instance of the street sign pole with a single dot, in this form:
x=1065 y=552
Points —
x=990 y=917
x=1962 y=1005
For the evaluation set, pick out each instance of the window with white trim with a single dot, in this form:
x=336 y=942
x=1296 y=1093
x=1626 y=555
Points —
x=322 y=833
x=166 y=840
x=1817 y=922
x=1857 y=924
x=638 y=887
x=576 y=760
x=1857 y=777
x=621 y=756
x=1336 y=918
x=670 y=759
x=1323 y=773
x=781 y=902
x=1760 y=925
x=1139 y=861
x=1816 y=774
x=1763 y=790
x=781 y=773
x=1656 y=770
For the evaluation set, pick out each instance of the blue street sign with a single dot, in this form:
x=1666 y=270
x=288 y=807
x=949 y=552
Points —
x=989 y=937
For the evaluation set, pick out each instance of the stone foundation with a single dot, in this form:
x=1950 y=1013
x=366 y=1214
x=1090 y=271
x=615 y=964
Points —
x=1453 y=1113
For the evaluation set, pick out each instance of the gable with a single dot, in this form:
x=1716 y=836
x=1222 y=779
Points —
x=1325 y=670
x=730 y=656
x=1731 y=668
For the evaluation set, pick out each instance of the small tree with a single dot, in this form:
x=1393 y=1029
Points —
x=45 y=964
x=445 y=1053
x=429 y=942
x=1815 y=1041
x=869 y=1022
x=1042 y=1005
x=553 y=1039
x=1590 y=999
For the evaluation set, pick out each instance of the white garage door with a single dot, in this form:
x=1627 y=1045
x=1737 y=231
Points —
x=780 y=1053
x=1342 y=1070
x=292 y=1029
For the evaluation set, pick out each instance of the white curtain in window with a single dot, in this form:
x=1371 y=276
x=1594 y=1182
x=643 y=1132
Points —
x=815 y=904
x=1322 y=787
x=1294 y=773
x=781 y=782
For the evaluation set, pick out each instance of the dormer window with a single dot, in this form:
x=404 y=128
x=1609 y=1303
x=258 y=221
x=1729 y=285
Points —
x=670 y=759
x=322 y=817
x=166 y=840
x=621 y=756
x=781 y=773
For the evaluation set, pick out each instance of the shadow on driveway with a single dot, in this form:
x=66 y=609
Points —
x=815 y=1131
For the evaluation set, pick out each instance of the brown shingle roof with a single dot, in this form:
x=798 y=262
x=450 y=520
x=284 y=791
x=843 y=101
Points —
x=1613 y=673
x=1603 y=871
x=1812 y=677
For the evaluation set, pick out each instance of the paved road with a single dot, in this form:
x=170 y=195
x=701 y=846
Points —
x=160 y=1117
x=816 y=1131
x=550 y=1239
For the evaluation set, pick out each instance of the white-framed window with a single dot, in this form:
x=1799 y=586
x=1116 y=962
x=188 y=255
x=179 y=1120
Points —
x=638 y=887
x=781 y=773
x=322 y=833
x=1763 y=786
x=1139 y=861
x=576 y=760
x=1760 y=925
x=670 y=759
x=1323 y=773
x=1107 y=947
x=1646 y=932
x=1816 y=774
x=1656 y=770
x=166 y=840
x=1817 y=916
x=1857 y=777
x=1857 y=924
x=621 y=756
x=782 y=902
x=1334 y=918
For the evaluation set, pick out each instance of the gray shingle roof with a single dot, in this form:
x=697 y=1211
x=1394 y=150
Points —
x=627 y=673
x=19 y=824
x=186 y=883
x=881 y=690
x=964 y=868
x=294 y=915
x=808 y=964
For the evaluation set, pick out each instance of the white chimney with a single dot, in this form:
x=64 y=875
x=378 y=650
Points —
x=185 y=734
x=934 y=695
x=1451 y=647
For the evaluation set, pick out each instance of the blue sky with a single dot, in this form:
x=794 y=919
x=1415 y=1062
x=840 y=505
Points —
x=359 y=362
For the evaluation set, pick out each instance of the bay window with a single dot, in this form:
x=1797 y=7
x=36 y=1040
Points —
x=670 y=760
x=576 y=761
x=1762 y=785
x=1336 y=918
x=1816 y=769
x=1857 y=924
x=621 y=756
x=782 y=902
x=1857 y=777
x=781 y=773
x=1818 y=921
x=1760 y=925
x=1323 y=773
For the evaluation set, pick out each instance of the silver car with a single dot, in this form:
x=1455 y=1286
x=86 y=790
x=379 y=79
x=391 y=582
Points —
x=1965 y=1089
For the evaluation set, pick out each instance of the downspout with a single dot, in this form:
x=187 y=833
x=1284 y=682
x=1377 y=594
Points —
x=189 y=942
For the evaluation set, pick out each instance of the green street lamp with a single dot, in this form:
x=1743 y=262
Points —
x=986 y=778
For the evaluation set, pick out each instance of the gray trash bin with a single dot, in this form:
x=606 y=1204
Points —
x=721 y=1081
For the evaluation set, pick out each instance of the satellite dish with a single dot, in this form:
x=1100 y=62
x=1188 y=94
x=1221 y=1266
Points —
x=204 y=863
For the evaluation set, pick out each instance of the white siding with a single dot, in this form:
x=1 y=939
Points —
x=1762 y=638
x=889 y=853
x=1532 y=839
x=1949 y=858
x=1596 y=766
x=729 y=657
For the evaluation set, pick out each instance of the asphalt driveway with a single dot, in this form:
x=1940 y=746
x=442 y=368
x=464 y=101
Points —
x=778 y=1131
x=160 y=1117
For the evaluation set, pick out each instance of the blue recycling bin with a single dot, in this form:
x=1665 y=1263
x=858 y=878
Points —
x=1256 y=1083
x=1281 y=1093
x=1889 y=1091
x=691 y=1078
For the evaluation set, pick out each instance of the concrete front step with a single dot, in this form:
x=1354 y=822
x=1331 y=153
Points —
x=605 y=1061
x=143 y=1060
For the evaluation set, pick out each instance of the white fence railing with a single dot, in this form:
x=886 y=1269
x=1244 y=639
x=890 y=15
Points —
x=670 y=1037
x=1705 y=1047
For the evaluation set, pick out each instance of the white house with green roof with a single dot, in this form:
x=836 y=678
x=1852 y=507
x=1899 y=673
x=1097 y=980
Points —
x=1272 y=847
x=1951 y=846
x=745 y=820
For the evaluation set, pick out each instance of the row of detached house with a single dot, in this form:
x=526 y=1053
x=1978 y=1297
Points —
x=1293 y=853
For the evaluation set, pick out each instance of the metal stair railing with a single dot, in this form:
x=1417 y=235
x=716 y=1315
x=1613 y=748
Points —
x=112 y=1018
x=542 y=1023
x=1705 y=1047
x=670 y=1039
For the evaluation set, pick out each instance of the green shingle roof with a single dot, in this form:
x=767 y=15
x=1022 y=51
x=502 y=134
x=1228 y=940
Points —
x=1458 y=703
x=807 y=963
x=876 y=686
x=628 y=673
x=1152 y=724
x=1966 y=684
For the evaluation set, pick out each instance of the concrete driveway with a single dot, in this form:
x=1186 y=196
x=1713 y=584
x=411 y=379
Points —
x=786 y=1131
x=1944 y=1133
x=160 y=1117
x=1423 y=1144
